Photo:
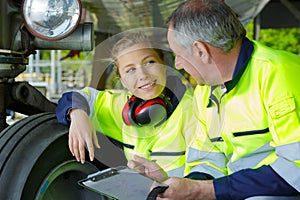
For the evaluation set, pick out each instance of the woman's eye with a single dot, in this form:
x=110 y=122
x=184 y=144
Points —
x=130 y=70
x=150 y=62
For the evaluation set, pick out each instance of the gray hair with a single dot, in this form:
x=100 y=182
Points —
x=209 y=21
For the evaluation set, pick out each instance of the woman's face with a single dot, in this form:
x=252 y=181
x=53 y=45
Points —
x=142 y=71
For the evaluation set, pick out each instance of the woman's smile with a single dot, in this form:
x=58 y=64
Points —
x=148 y=86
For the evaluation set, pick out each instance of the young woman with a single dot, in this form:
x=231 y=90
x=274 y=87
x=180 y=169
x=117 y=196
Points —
x=150 y=119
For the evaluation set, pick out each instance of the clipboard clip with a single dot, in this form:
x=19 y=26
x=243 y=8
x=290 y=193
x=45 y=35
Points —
x=103 y=174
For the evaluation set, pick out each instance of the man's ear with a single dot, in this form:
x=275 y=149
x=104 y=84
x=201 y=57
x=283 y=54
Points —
x=201 y=50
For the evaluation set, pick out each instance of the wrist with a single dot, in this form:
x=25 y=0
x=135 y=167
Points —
x=73 y=111
x=206 y=189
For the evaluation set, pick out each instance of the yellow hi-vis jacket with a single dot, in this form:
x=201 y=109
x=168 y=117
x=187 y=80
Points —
x=253 y=121
x=165 y=144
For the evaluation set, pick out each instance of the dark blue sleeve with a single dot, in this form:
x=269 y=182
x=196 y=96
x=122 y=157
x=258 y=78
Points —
x=263 y=181
x=199 y=176
x=66 y=102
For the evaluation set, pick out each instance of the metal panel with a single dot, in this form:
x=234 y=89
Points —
x=281 y=14
x=114 y=16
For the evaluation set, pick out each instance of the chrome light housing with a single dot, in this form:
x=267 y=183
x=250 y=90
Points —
x=51 y=19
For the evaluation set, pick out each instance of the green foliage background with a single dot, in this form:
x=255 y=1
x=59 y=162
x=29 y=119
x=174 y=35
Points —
x=280 y=38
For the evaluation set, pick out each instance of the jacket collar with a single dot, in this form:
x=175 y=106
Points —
x=242 y=62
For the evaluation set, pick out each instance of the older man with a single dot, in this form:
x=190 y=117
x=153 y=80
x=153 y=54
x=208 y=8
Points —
x=247 y=103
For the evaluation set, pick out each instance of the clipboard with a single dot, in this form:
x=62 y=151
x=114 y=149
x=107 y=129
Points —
x=122 y=183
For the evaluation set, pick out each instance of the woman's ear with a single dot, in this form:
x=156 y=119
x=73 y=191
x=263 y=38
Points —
x=201 y=50
x=123 y=82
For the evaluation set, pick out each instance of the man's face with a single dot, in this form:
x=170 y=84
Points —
x=189 y=60
x=142 y=71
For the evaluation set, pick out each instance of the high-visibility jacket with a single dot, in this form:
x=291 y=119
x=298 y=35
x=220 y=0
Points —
x=165 y=143
x=249 y=128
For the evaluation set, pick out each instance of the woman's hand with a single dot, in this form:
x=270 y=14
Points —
x=148 y=167
x=81 y=134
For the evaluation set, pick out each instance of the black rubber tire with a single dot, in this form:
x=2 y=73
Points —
x=35 y=162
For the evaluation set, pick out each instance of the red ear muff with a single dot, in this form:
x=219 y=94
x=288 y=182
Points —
x=139 y=112
x=151 y=112
x=127 y=114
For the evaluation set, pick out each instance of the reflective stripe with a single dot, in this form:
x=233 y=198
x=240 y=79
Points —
x=263 y=131
x=216 y=158
x=288 y=171
x=216 y=139
x=180 y=153
x=178 y=172
x=289 y=151
x=252 y=159
x=208 y=170
x=120 y=144
x=129 y=146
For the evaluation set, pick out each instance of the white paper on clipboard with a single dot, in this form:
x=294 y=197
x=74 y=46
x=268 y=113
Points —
x=122 y=183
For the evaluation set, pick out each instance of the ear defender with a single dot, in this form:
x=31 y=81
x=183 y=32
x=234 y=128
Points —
x=139 y=112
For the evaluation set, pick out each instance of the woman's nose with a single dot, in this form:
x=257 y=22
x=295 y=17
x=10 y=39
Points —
x=142 y=73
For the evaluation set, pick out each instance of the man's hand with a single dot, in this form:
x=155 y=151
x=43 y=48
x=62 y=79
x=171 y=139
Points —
x=182 y=188
x=81 y=134
x=148 y=167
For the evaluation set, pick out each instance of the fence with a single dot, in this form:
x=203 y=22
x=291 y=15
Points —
x=59 y=76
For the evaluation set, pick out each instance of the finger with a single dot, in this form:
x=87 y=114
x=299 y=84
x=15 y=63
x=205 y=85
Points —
x=76 y=151
x=136 y=166
x=150 y=165
x=81 y=152
x=130 y=164
x=95 y=139
x=139 y=168
x=90 y=149
x=143 y=160
x=161 y=198
x=70 y=143
x=139 y=158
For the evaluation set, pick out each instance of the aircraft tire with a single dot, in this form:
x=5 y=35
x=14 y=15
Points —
x=35 y=162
